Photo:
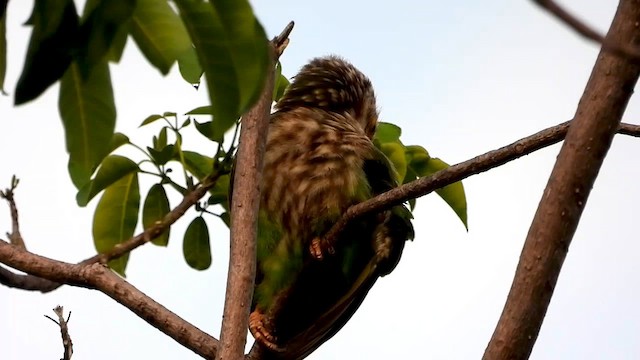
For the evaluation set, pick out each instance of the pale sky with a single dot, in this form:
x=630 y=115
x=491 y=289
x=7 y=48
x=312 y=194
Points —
x=460 y=78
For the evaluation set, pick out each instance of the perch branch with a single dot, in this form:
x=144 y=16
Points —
x=612 y=45
x=99 y=277
x=588 y=139
x=244 y=213
x=460 y=171
x=476 y=165
x=64 y=330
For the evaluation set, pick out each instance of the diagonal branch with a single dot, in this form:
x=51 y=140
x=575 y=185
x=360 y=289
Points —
x=421 y=187
x=99 y=277
x=589 y=137
x=460 y=171
x=29 y=282
x=244 y=213
x=612 y=45
x=160 y=227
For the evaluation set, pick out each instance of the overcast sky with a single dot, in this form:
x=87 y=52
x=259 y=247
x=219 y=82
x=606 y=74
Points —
x=460 y=78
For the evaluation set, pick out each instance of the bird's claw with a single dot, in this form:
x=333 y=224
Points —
x=261 y=331
x=319 y=247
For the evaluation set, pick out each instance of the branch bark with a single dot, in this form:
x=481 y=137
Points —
x=99 y=277
x=67 y=344
x=244 y=215
x=460 y=171
x=30 y=282
x=421 y=187
x=588 y=140
x=612 y=45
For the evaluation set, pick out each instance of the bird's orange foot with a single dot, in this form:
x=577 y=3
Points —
x=319 y=247
x=261 y=331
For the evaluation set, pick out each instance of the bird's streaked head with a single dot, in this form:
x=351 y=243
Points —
x=333 y=84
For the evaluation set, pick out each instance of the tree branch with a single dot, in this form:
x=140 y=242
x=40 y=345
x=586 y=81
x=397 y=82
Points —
x=8 y=194
x=612 y=45
x=244 y=214
x=29 y=282
x=98 y=276
x=588 y=139
x=64 y=330
x=460 y=171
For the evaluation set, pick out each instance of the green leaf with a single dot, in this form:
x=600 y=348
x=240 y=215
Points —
x=99 y=29
x=226 y=218
x=118 y=140
x=163 y=156
x=248 y=46
x=88 y=114
x=418 y=162
x=159 y=33
x=201 y=110
x=395 y=153
x=387 y=132
x=116 y=218
x=155 y=207
x=162 y=139
x=3 y=44
x=196 y=247
x=113 y=168
x=452 y=194
x=119 y=43
x=53 y=39
x=220 y=192
x=189 y=66
x=209 y=130
x=121 y=33
x=232 y=49
x=198 y=165
x=416 y=154
x=281 y=85
x=150 y=119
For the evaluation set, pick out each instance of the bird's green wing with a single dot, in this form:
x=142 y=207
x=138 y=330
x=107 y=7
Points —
x=393 y=227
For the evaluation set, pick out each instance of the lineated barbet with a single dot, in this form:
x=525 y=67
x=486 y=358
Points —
x=320 y=159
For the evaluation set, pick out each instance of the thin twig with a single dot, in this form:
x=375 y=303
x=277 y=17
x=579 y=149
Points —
x=244 y=214
x=161 y=226
x=612 y=45
x=28 y=282
x=9 y=194
x=588 y=139
x=64 y=330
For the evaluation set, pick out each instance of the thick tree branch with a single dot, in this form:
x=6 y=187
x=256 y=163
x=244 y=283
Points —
x=244 y=214
x=99 y=277
x=589 y=137
x=612 y=45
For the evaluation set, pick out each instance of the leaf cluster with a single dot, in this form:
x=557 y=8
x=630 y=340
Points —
x=219 y=40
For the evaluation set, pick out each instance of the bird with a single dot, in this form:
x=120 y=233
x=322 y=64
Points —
x=320 y=158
